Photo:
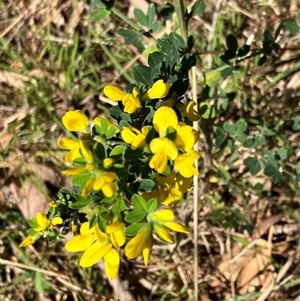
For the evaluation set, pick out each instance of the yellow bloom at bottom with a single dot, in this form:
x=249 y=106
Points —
x=29 y=240
x=96 y=246
x=141 y=243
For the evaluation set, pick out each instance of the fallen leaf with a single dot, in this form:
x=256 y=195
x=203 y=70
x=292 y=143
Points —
x=264 y=226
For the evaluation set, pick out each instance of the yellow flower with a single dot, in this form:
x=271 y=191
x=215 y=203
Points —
x=105 y=182
x=189 y=111
x=72 y=145
x=185 y=165
x=130 y=101
x=29 y=240
x=141 y=243
x=163 y=222
x=42 y=221
x=76 y=121
x=96 y=246
x=163 y=149
x=117 y=234
x=159 y=89
x=186 y=137
x=108 y=162
x=134 y=137
x=163 y=118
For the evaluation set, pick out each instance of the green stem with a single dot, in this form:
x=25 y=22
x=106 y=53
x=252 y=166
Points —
x=125 y=19
x=180 y=10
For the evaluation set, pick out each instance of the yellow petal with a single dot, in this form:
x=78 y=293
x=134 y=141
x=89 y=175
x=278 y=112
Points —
x=73 y=154
x=130 y=103
x=67 y=143
x=56 y=220
x=113 y=92
x=128 y=135
x=186 y=137
x=88 y=187
x=94 y=253
x=108 y=162
x=74 y=171
x=80 y=243
x=42 y=221
x=163 y=118
x=162 y=215
x=136 y=245
x=112 y=263
x=86 y=152
x=176 y=227
x=118 y=238
x=76 y=121
x=158 y=90
x=159 y=162
x=114 y=227
x=29 y=240
x=165 y=146
x=109 y=189
x=163 y=234
x=147 y=250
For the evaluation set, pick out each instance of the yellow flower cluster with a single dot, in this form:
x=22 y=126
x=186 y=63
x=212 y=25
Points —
x=167 y=143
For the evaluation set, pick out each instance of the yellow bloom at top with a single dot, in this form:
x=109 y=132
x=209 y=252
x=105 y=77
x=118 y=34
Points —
x=130 y=101
x=159 y=89
x=134 y=137
x=76 y=121
x=163 y=118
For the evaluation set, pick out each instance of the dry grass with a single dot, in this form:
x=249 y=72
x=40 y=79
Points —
x=54 y=59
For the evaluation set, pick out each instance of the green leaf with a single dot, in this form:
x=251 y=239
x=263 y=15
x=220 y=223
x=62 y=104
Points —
x=253 y=164
x=243 y=50
x=117 y=152
x=146 y=185
x=273 y=172
x=119 y=170
x=154 y=59
x=152 y=205
x=81 y=179
x=229 y=128
x=99 y=14
x=135 y=216
x=99 y=151
x=131 y=154
x=130 y=36
x=142 y=75
x=298 y=193
x=258 y=141
x=282 y=153
x=141 y=17
x=292 y=26
x=139 y=203
x=150 y=14
x=241 y=137
x=224 y=173
x=231 y=43
x=298 y=168
x=226 y=72
x=263 y=60
x=296 y=123
x=81 y=201
x=166 y=11
x=271 y=159
x=38 y=282
x=197 y=9
x=207 y=111
x=241 y=126
x=298 y=16
x=133 y=230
